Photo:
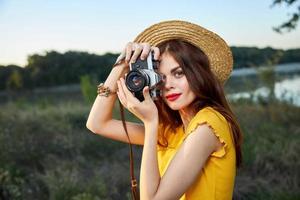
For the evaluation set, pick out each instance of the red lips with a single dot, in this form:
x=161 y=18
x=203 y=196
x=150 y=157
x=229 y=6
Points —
x=173 y=97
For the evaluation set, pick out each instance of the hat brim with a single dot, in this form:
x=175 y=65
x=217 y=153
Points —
x=215 y=48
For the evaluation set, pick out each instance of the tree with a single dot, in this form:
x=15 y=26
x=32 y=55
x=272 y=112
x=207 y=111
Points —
x=14 y=81
x=292 y=22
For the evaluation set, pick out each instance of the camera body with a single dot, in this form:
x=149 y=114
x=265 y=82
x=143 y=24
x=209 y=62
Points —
x=144 y=73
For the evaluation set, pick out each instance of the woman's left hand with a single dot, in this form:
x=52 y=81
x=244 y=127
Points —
x=145 y=110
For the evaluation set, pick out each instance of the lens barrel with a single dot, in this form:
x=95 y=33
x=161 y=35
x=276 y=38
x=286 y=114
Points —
x=136 y=80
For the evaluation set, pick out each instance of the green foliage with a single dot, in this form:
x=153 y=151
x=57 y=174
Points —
x=11 y=77
x=46 y=152
x=292 y=22
x=254 y=57
x=14 y=184
x=85 y=196
x=14 y=81
x=267 y=77
x=10 y=185
x=88 y=88
x=55 y=69
x=291 y=55
x=271 y=148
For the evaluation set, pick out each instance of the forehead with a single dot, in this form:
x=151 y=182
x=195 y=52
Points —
x=167 y=63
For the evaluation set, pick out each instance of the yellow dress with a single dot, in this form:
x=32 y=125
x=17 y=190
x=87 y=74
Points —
x=217 y=178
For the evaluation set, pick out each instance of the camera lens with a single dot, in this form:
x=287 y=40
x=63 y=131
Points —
x=136 y=81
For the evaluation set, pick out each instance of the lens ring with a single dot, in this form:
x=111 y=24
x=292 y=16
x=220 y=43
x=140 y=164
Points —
x=136 y=80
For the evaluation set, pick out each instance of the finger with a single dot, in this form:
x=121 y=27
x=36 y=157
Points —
x=121 y=100
x=137 y=51
x=121 y=56
x=145 y=51
x=128 y=51
x=129 y=96
x=156 y=52
x=146 y=93
x=121 y=94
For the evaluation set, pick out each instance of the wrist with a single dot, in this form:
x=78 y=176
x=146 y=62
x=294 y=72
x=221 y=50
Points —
x=151 y=124
x=105 y=91
x=120 y=70
x=121 y=64
x=151 y=132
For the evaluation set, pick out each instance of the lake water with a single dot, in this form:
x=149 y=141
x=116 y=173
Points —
x=246 y=83
x=243 y=83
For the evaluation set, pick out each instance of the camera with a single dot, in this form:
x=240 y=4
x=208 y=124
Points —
x=144 y=73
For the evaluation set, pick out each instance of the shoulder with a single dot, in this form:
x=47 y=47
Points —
x=214 y=123
x=210 y=113
x=207 y=115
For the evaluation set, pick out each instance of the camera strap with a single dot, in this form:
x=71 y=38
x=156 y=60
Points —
x=134 y=186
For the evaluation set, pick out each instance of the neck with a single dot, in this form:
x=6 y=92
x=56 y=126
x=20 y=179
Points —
x=186 y=115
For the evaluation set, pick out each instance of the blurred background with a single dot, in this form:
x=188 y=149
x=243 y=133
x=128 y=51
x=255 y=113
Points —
x=54 y=53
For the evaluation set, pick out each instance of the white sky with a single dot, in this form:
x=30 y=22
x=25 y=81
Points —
x=95 y=26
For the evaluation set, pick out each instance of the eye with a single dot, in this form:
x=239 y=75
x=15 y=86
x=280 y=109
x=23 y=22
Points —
x=178 y=74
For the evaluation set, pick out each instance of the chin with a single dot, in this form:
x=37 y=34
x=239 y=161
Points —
x=175 y=105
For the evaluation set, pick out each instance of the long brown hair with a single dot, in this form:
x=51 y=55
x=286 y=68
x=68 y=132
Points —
x=208 y=90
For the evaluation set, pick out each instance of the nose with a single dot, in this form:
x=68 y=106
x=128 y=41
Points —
x=168 y=83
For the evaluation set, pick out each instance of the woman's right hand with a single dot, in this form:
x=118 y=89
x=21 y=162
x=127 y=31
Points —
x=142 y=49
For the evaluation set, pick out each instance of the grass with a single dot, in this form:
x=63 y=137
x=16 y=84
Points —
x=46 y=152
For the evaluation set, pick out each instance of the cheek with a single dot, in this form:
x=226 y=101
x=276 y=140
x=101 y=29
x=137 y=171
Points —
x=184 y=85
x=188 y=91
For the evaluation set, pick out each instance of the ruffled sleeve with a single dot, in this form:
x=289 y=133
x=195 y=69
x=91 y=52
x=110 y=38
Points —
x=217 y=123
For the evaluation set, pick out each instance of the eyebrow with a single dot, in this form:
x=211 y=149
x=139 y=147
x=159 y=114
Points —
x=174 y=69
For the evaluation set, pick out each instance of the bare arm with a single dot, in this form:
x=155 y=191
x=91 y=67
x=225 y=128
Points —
x=184 y=168
x=100 y=119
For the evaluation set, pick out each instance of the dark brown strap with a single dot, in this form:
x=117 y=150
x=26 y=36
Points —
x=134 y=186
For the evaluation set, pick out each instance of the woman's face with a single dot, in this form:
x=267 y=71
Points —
x=177 y=93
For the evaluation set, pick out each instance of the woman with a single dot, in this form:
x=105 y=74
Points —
x=191 y=139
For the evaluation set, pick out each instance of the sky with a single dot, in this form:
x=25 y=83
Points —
x=97 y=26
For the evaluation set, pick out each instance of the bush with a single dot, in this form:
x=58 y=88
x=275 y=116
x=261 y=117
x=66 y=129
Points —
x=46 y=152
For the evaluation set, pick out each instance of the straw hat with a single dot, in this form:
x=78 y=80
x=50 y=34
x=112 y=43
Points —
x=216 y=49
